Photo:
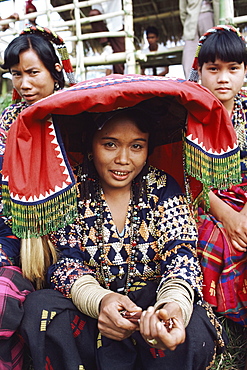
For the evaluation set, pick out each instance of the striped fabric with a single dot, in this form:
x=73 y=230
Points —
x=224 y=268
x=13 y=291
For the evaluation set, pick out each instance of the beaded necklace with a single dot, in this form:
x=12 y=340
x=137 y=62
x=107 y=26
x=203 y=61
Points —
x=239 y=122
x=133 y=235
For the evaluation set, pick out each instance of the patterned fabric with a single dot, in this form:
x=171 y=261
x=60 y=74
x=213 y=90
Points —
x=76 y=338
x=224 y=268
x=191 y=111
x=13 y=287
x=13 y=291
x=9 y=244
x=166 y=246
x=8 y=116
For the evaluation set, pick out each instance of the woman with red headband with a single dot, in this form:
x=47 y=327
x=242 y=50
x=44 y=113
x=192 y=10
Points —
x=221 y=64
x=124 y=286
x=36 y=73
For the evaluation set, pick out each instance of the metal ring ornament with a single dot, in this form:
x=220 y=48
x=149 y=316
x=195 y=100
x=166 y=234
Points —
x=153 y=342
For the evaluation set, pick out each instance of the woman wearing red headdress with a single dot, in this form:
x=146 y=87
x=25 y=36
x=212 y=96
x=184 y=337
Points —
x=124 y=291
x=36 y=73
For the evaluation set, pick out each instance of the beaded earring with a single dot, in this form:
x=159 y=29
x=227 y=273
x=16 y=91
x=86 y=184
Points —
x=56 y=86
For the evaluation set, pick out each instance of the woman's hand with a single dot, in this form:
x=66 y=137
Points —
x=236 y=228
x=156 y=334
x=111 y=324
x=235 y=223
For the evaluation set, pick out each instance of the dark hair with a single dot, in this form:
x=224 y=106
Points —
x=142 y=119
x=42 y=47
x=225 y=45
x=152 y=29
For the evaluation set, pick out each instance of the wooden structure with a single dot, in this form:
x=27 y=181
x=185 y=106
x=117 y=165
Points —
x=137 y=15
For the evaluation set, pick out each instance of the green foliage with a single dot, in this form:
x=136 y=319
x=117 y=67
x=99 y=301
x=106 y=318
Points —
x=5 y=101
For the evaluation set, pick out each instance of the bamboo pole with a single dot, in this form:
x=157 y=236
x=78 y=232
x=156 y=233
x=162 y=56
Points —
x=59 y=9
x=121 y=57
x=240 y=19
x=156 y=16
x=80 y=66
x=88 y=20
x=129 y=37
x=226 y=12
x=48 y=12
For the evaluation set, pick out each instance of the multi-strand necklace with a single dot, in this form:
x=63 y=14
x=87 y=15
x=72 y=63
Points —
x=239 y=122
x=133 y=237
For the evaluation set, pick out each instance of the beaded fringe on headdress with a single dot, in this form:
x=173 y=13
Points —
x=45 y=217
x=212 y=171
x=39 y=190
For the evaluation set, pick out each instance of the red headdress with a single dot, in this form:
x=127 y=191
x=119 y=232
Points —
x=39 y=189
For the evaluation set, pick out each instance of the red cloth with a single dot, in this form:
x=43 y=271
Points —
x=30 y=7
x=35 y=166
x=224 y=268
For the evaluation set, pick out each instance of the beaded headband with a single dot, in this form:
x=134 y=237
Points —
x=194 y=76
x=51 y=36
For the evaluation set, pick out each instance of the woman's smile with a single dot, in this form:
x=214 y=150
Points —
x=120 y=151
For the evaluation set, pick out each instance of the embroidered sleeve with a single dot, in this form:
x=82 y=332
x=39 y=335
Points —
x=177 y=243
x=9 y=246
x=176 y=234
x=62 y=275
x=10 y=114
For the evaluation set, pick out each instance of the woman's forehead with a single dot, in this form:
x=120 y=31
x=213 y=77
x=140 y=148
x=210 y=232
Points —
x=120 y=125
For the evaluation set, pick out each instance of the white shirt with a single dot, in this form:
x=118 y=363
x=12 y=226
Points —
x=111 y=6
x=149 y=71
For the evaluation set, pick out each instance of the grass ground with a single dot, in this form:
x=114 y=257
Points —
x=234 y=356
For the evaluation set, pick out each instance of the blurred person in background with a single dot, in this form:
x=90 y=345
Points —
x=152 y=35
x=197 y=16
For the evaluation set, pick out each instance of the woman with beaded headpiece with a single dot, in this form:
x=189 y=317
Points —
x=36 y=73
x=221 y=64
x=125 y=288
